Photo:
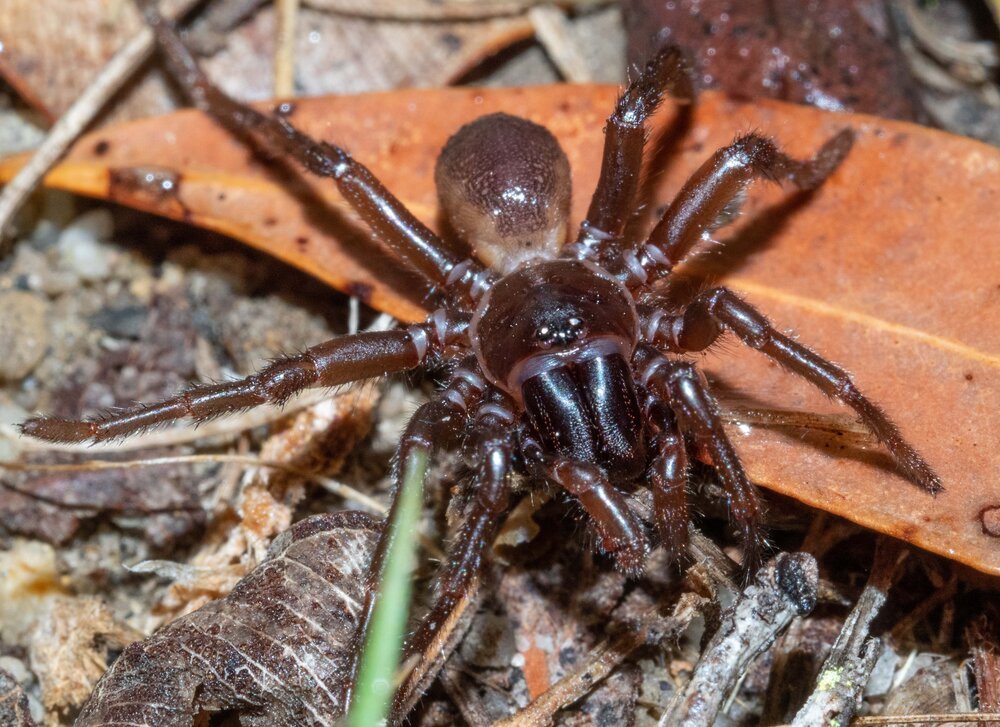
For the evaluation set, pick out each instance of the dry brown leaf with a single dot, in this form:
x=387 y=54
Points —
x=51 y=51
x=272 y=651
x=834 y=55
x=889 y=269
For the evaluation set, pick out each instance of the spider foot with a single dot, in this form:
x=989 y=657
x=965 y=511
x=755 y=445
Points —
x=56 y=429
x=629 y=555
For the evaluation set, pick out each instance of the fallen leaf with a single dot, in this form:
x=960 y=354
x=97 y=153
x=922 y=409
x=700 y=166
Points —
x=889 y=269
x=51 y=51
x=835 y=56
x=273 y=650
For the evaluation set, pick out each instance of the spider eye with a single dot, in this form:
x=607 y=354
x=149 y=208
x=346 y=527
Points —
x=561 y=333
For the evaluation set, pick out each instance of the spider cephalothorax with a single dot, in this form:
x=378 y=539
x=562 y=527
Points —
x=560 y=365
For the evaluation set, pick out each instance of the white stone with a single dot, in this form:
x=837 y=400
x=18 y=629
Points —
x=80 y=245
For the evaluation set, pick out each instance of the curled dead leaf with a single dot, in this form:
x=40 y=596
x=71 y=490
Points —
x=888 y=269
x=274 y=650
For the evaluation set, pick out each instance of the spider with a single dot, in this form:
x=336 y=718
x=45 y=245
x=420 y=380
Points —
x=564 y=368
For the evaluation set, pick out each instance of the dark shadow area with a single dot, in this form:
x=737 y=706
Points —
x=827 y=438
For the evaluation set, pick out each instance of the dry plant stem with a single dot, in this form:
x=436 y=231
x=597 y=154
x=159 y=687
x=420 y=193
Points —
x=932 y=719
x=458 y=686
x=845 y=673
x=438 y=10
x=552 y=30
x=983 y=638
x=783 y=589
x=451 y=633
x=973 y=56
x=602 y=661
x=940 y=596
x=330 y=485
x=284 y=57
x=78 y=116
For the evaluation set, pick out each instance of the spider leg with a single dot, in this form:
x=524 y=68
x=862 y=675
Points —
x=619 y=531
x=431 y=424
x=681 y=386
x=405 y=236
x=338 y=361
x=625 y=137
x=713 y=194
x=668 y=480
x=491 y=446
x=716 y=310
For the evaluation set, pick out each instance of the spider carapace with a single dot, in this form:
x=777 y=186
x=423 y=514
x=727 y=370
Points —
x=561 y=366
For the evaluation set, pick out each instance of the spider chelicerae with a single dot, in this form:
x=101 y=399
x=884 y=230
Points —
x=563 y=366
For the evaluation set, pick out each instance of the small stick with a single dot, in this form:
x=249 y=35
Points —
x=852 y=658
x=602 y=661
x=552 y=30
x=284 y=56
x=935 y=719
x=78 y=117
x=784 y=588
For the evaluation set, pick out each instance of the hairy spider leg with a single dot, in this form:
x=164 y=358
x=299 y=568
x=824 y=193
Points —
x=335 y=362
x=668 y=480
x=406 y=237
x=490 y=446
x=680 y=385
x=431 y=425
x=624 y=139
x=712 y=196
x=718 y=310
x=619 y=531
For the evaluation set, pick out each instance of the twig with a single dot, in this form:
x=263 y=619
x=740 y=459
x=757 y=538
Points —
x=852 y=658
x=983 y=638
x=925 y=607
x=284 y=56
x=783 y=589
x=329 y=484
x=77 y=117
x=552 y=30
x=935 y=719
x=338 y=488
x=602 y=661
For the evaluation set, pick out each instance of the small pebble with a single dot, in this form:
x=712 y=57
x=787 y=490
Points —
x=24 y=333
x=10 y=414
x=16 y=668
x=80 y=245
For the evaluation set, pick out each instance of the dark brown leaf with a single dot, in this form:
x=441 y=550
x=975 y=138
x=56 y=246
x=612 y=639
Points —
x=274 y=650
x=833 y=55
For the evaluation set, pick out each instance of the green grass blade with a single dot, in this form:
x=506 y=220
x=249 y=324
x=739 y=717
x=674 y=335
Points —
x=384 y=642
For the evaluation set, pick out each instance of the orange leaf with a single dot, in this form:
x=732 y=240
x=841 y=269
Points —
x=889 y=269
